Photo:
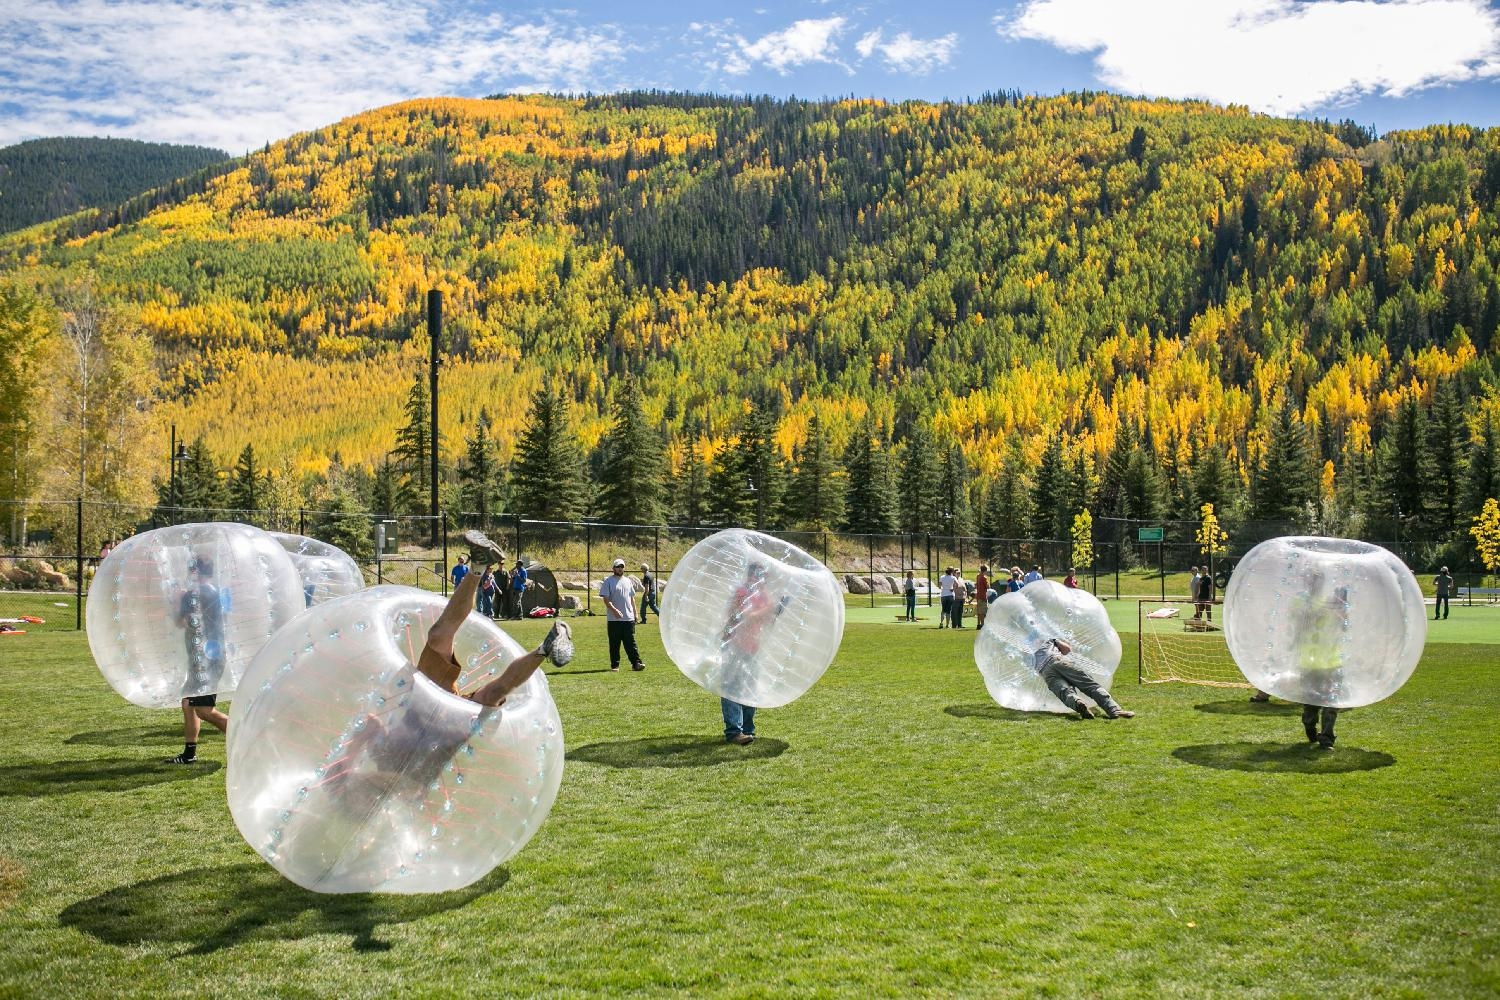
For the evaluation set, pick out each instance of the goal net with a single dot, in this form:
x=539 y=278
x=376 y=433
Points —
x=1179 y=641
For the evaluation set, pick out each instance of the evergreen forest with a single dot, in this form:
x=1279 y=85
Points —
x=993 y=316
x=46 y=178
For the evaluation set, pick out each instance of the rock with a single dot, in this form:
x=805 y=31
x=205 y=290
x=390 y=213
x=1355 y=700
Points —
x=856 y=584
x=569 y=602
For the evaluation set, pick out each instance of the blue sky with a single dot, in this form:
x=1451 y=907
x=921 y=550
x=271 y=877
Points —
x=236 y=74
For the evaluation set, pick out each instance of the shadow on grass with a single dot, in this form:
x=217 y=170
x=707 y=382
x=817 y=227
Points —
x=993 y=711
x=569 y=673
x=166 y=734
x=676 y=751
x=1247 y=707
x=1296 y=758
x=68 y=776
x=213 y=908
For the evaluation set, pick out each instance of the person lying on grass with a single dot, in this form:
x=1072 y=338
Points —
x=1065 y=680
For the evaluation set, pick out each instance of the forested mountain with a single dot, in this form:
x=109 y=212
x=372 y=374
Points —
x=1133 y=306
x=47 y=178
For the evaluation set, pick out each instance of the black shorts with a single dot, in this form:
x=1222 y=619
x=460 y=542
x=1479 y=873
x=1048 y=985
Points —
x=203 y=701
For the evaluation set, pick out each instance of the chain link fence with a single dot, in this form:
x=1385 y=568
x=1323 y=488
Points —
x=49 y=550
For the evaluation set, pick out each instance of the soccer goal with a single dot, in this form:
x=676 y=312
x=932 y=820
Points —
x=1179 y=641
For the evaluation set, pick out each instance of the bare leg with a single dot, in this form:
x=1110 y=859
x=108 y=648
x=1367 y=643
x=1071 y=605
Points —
x=437 y=661
x=214 y=717
x=190 y=723
x=515 y=674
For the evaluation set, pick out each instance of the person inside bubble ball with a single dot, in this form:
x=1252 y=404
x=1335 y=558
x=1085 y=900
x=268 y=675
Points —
x=751 y=613
x=200 y=614
x=1322 y=618
x=1065 y=680
x=420 y=738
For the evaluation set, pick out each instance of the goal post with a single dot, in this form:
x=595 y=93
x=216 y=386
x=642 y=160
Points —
x=1184 y=641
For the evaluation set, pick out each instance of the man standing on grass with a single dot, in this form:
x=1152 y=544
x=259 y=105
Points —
x=618 y=592
x=200 y=614
x=1443 y=585
x=981 y=595
x=945 y=593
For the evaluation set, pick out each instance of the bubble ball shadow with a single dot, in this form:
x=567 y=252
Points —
x=1278 y=709
x=689 y=750
x=65 y=777
x=1282 y=758
x=132 y=736
x=214 y=908
x=992 y=711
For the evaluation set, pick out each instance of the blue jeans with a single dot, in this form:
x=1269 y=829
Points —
x=648 y=602
x=737 y=718
x=487 y=603
x=911 y=605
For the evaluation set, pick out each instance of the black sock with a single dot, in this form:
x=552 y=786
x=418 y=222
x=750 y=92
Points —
x=189 y=751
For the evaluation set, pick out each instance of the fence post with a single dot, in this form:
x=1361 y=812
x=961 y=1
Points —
x=588 y=566
x=656 y=560
x=928 y=536
x=78 y=617
x=518 y=549
x=872 y=570
x=442 y=526
x=301 y=520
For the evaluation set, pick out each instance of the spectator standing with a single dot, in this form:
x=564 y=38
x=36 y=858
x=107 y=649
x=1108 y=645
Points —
x=1071 y=580
x=618 y=592
x=960 y=597
x=1033 y=576
x=945 y=595
x=517 y=587
x=648 y=593
x=460 y=570
x=1443 y=585
x=1014 y=583
x=486 y=595
x=909 y=589
x=1205 y=595
x=981 y=595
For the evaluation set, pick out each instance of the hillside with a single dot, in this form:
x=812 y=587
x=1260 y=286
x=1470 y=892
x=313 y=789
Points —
x=998 y=273
x=48 y=178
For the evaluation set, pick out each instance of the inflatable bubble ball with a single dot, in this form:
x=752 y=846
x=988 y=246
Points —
x=179 y=612
x=327 y=571
x=1324 y=621
x=1018 y=623
x=349 y=771
x=752 y=618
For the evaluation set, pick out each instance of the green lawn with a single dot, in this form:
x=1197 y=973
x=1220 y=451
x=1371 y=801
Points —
x=893 y=833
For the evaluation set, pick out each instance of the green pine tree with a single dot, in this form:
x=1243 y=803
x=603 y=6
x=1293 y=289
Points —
x=871 y=500
x=413 y=449
x=917 y=496
x=1285 y=482
x=1447 y=444
x=547 y=479
x=1048 y=494
x=247 y=485
x=479 y=474
x=816 y=497
x=633 y=488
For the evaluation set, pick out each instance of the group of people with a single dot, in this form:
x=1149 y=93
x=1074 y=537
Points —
x=954 y=592
x=498 y=594
x=1201 y=590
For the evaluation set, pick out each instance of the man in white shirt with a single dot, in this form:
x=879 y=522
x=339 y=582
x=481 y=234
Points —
x=618 y=592
x=945 y=592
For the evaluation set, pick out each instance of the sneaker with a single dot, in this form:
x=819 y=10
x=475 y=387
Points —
x=482 y=551
x=1084 y=712
x=614 y=670
x=558 y=646
x=740 y=739
x=637 y=666
x=1326 y=742
x=181 y=758
x=1260 y=697
x=1123 y=714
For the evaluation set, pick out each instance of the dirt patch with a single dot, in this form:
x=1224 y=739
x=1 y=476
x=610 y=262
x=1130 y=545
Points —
x=12 y=879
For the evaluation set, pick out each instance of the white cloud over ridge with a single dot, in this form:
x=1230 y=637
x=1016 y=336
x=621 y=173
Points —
x=905 y=54
x=1277 y=56
x=811 y=40
x=236 y=74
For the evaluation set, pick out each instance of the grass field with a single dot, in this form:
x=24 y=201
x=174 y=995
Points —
x=892 y=833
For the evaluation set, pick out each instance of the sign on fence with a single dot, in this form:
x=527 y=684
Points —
x=1149 y=534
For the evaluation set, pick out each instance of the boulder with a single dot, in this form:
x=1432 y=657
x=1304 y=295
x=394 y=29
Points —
x=856 y=584
x=569 y=602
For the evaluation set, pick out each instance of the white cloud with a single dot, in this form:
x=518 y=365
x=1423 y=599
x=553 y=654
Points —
x=1277 y=56
x=905 y=54
x=810 y=40
x=238 y=73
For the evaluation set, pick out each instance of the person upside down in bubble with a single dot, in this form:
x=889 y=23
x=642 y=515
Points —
x=751 y=613
x=420 y=737
x=1065 y=680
